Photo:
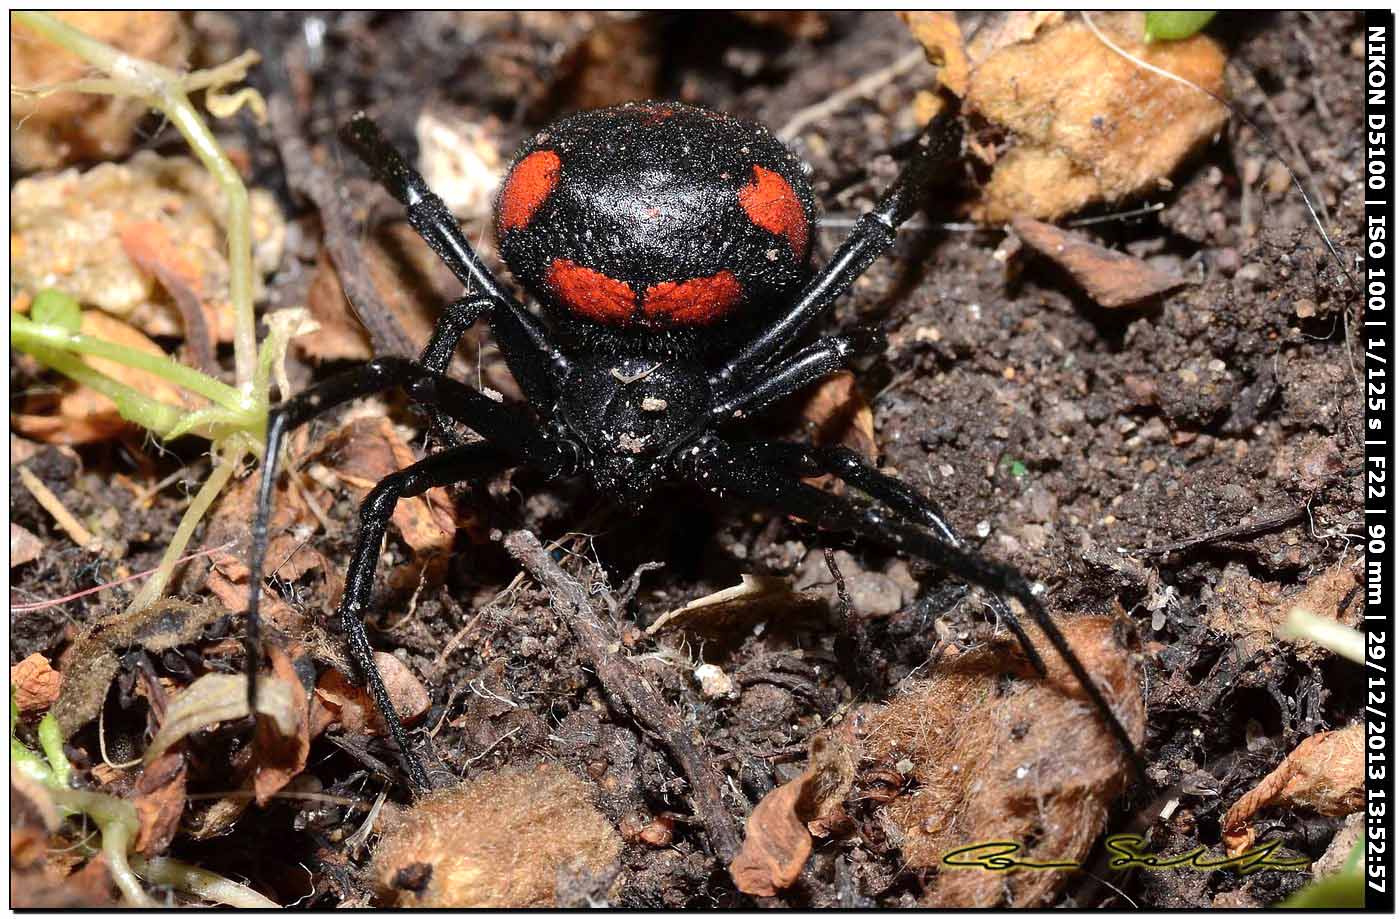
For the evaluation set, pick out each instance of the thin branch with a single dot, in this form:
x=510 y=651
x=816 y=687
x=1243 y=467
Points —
x=628 y=690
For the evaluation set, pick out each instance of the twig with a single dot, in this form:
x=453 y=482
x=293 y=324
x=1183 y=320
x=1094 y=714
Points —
x=60 y=514
x=629 y=691
x=1238 y=531
x=861 y=88
x=386 y=336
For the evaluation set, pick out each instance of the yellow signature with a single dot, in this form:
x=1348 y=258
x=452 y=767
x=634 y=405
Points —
x=1128 y=853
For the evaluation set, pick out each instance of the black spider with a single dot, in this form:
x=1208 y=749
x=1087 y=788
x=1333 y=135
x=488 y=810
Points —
x=662 y=239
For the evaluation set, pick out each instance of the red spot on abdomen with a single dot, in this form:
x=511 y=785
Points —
x=771 y=203
x=591 y=294
x=529 y=184
x=695 y=302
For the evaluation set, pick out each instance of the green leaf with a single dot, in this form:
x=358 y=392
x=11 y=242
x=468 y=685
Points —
x=55 y=308
x=1174 y=25
x=1342 y=890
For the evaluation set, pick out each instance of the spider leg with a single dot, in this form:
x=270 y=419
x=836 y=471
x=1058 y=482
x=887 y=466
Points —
x=468 y=462
x=796 y=371
x=726 y=471
x=849 y=467
x=517 y=329
x=938 y=144
x=529 y=368
x=507 y=431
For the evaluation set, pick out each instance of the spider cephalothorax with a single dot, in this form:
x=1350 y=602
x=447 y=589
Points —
x=670 y=245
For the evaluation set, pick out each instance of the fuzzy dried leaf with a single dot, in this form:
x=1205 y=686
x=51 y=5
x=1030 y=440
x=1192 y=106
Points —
x=219 y=697
x=35 y=684
x=1027 y=761
x=938 y=32
x=1088 y=124
x=24 y=545
x=1113 y=279
x=777 y=840
x=353 y=706
x=526 y=826
x=159 y=801
x=1254 y=612
x=1323 y=774
x=91 y=661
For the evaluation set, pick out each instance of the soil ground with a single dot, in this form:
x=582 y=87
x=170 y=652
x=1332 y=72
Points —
x=1063 y=435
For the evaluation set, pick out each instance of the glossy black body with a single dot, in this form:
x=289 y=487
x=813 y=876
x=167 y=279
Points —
x=649 y=192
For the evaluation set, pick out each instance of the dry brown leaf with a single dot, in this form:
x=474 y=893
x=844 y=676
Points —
x=777 y=840
x=1010 y=27
x=68 y=127
x=279 y=754
x=160 y=800
x=354 y=708
x=24 y=545
x=526 y=828
x=218 y=697
x=228 y=581
x=1113 y=279
x=938 y=32
x=366 y=450
x=35 y=684
x=1088 y=124
x=228 y=572
x=153 y=248
x=1323 y=774
x=340 y=337
x=1020 y=759
x=84 y=416
x=838 y=415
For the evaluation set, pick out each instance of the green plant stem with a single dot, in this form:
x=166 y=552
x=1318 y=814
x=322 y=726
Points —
x=134 y=406
x=224 y=468
x=27 y=334
x=164 y=89
x=117 y=821
x=169 y=872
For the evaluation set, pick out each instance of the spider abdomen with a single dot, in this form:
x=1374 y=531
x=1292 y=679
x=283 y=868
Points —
x=656 y=215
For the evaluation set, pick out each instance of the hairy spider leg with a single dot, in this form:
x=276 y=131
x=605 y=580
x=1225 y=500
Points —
x=938 y=144
x=510 y=434
x=469 y=462
x=849 y=467
x=727 y=472
x=537 y=364
x=812 y=363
